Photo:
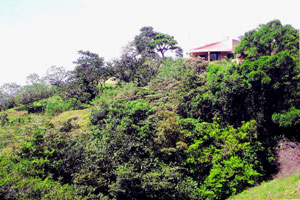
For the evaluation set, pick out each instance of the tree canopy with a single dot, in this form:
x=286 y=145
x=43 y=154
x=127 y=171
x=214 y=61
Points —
x=269 y=39
x=57 y=76
x=150 y=42
x=90 y=70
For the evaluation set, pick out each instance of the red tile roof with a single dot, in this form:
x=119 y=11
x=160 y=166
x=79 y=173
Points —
x=207 y=46
x=226 y=45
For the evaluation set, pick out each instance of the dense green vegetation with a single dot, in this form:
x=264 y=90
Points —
x=160 y=128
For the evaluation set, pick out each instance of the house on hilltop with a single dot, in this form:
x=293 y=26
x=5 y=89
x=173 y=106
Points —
x=216 y=51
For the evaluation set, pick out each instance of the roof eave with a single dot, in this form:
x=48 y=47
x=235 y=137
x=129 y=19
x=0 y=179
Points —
x=213 y=50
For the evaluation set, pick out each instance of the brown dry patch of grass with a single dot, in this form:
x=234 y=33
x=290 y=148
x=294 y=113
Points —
x=16 y=113
x=9 y=148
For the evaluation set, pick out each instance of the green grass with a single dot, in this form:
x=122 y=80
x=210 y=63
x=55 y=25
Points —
x=81 y=119
x=111 y=92
x=281 y=188
x=20 y=126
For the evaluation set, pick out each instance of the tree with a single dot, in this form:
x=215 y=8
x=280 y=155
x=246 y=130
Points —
x=88 y=74
x=267 y=82
x=8 y=92
x=32 y=93
x=269 y=39
x=163 y=43
x=264 y=88
x=142 y=40
x=272 y=68
x=140 y=58
x=56 y=76
x=126 y=67
x=2 y=97
x=130 y=50
x=134 y=68
x=35 y=90
x=34 y=79
x=149 y=43
x=10 y=89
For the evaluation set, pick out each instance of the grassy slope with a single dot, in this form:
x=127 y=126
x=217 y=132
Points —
x=81 y=118
x=21 y=125
x=281 y=188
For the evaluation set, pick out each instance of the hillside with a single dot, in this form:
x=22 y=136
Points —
x=149 y=127
x=20 y=125
x=281 y=188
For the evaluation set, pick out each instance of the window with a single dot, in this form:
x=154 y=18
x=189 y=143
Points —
x=215 y=56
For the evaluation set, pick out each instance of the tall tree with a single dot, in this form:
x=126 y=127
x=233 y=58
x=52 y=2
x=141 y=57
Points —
x=163 y=43
x=269 y=39
x=34 y=79
x=132 y=67
x=142 y=40
x=56 y=76
x=90 y=71
x=150 y=43
x=272 y=68
x=10 y=89
x=8 y=92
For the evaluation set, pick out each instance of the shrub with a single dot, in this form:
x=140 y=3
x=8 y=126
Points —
x=134 y=69
x=19 y=180
x=120 y=115
x=224 y=159
x=287 y=118
x=56 y=105
x=172 y=68
x=32 y=93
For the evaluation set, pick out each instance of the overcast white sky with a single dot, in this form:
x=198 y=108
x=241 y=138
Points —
x=36 y=34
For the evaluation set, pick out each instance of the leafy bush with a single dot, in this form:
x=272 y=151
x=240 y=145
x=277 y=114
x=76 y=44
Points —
x=287 y=118
x=224 y=159
x=135 y=69
x=54 y=105
x=32 y=93
x=121 y=116
x=21 y=179
x=67 y=126
x=172 y=68
x=109 y=92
